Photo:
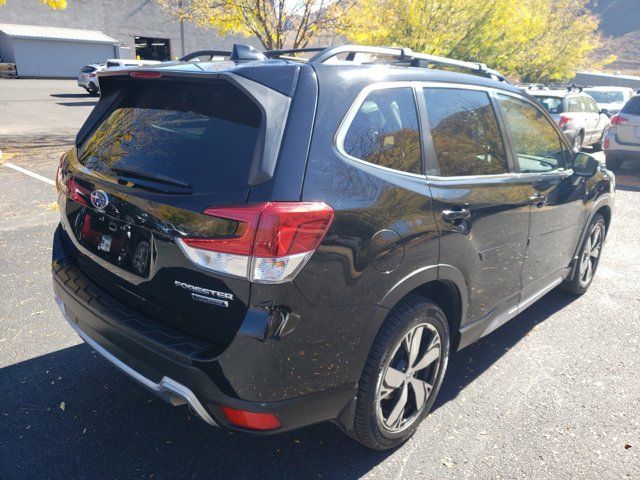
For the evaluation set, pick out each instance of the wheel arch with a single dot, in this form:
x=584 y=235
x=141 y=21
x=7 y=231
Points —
x=444 y=285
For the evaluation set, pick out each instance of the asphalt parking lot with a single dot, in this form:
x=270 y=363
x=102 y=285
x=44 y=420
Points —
x=554 y=394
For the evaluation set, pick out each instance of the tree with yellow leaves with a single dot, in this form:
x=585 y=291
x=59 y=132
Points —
x=55 y=4
x=531 y=40
x=275 y=23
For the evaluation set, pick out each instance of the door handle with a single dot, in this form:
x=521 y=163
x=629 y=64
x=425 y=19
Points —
x=538 y=200
x=452 y=216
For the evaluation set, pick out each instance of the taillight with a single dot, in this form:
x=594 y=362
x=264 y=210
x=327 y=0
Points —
x=271 y=243
x=618 y=120
x=606 y=144
x=60 y=186
x=564 y=121
x=92 y=74
x=251 y=420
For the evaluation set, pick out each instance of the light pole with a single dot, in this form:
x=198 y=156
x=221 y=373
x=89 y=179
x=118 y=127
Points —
x=181 y=29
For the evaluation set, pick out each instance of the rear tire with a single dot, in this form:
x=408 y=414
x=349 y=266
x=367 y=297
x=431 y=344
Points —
x=403 y=374
x=588 y=258
x=597 y=147
x=578 y=141
x=613 y=163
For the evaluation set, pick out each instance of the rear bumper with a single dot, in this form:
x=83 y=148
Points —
x=618 y=149
x=163 y=361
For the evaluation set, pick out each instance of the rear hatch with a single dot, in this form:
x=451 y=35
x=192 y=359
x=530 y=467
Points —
x=628 y=123
x=159 y=150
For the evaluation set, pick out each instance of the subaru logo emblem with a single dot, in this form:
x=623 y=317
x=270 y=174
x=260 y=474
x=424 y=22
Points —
x=99 y=199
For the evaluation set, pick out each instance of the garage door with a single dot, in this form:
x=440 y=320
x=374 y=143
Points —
x=51 y=58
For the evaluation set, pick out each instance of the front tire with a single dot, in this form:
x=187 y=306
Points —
x=588 y=258
x=403 y=374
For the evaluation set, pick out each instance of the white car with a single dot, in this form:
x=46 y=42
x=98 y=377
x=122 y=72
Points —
x=88 y=77
x=623 y=140
x=610 y=99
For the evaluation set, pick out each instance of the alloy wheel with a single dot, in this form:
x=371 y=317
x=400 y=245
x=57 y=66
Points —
x=408 y=379
x=591 y=254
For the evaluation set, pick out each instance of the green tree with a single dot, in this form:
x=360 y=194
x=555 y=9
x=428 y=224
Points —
x=55 y=4
x=275 y=23
x=531 y=40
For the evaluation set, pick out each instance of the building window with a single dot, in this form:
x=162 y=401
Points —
x=148 y=48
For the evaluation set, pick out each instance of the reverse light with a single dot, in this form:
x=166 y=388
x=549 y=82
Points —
x=271 y=243
x=618 y=120
x=251 y=420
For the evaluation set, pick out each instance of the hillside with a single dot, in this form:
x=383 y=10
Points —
x=620 y=28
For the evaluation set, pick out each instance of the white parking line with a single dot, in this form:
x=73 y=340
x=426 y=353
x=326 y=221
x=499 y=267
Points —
x=29 y=172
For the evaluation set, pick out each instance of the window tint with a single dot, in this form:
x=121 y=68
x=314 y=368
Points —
x=88 y=69
x=385 y=131
x=465 y=132
x=574 y=104
x=536 y=141
x=551 y=104
x=633 y=106
x=199 y=134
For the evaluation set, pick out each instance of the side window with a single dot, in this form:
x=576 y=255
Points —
x=574 y=105
x=536 y=141
x=593 y=106
x=588 y=106
x=385 y=131
x=465 y=133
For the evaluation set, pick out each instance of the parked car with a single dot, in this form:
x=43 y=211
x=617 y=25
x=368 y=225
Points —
x=318 y=238
x=623 y=140
x=577 y=114
x=88 y=77
x=610 y=100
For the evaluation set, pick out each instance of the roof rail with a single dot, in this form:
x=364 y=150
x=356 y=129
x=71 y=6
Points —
x=289 y=54
x=323 y=54
x=406 y=55
x=205 y=53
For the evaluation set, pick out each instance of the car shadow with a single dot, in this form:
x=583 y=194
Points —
x=70 y=414
x=78 y=104
x=70 y=95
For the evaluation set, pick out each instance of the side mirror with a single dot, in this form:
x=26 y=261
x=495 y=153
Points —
x=605 y=112
x=585 y=165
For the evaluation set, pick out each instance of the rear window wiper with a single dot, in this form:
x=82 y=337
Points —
x=154 y=177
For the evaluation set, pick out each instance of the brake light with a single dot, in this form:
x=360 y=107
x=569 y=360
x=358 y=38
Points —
x=251 y=420
x=564 y=121
x=606 y=144
x=145 y=74
x=271 y=243
x=618 y=120
x=92 y=74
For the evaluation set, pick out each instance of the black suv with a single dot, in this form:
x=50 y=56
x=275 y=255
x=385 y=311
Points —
x=278 y=242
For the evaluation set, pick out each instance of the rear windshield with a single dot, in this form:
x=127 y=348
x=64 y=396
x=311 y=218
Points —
x=633 y=106
x=601 y=96
x=551 y=104
x=88 y=69
x=196 y=135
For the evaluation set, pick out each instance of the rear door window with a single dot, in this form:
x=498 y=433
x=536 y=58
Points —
x=190 y=135
x=385 y=131
x=574 y=105
x=465 y=133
